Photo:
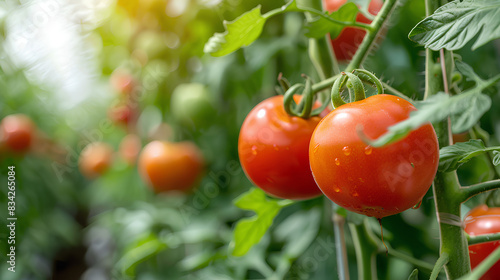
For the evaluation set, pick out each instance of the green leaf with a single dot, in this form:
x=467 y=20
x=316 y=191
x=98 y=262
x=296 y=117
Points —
x=451 y=157
x=456 y=23
x=142 y=250
x=413 y=275
x=322 y=26
x=249 y=231
x=463 y=120
x=239 y=33
x=465 y=109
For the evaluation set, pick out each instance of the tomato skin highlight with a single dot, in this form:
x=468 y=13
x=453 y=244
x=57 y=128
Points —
x=372 y=181
x=479 y=221
x=346 y=44
x=167 y=166
x=273 y=150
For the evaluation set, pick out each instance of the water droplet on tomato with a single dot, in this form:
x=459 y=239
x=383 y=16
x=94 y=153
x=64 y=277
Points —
x=336 y=189
x=368 y=150
x=254 y=150
x=275 y=147
x=346 y=150
x=337 y=161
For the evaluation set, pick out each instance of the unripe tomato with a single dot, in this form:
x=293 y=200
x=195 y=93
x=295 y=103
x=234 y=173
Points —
x=273 y=150
x=129 y=148
x=479 y=221
x=167 y=166
x=17 y=133
x=375 y=182
x=192 y=106
x=95 y=159
x=346 y=44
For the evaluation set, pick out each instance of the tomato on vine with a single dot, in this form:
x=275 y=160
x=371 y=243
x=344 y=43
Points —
x=167 y=166
x=346 y=44
x=372 y=181
x=479 y=221
x=95 y=159
x=17 y=132
x=273 y=150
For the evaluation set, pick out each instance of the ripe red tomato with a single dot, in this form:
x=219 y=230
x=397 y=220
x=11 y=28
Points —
x=273 y=150
x=95 y=159
x=17 y=132
x=167 y=166
x=346 y=44
x=375 y=182
x=479 y=221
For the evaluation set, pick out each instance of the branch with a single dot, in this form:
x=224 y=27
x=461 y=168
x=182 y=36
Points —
x=440 y=263
x=470 y=191
x=483 y=238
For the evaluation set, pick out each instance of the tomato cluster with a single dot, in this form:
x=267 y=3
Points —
x=290 y=157
x=479 y=221
x=124 y=111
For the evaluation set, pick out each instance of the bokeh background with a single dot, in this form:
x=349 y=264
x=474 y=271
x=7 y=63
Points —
x=72 y=65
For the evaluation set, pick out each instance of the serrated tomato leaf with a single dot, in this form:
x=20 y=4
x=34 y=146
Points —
x=239 y=33
x=456 y=23
x=321 y=26
x=249 y=231
x=451 y=157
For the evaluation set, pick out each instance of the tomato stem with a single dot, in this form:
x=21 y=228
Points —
x=371 y=35
x=483 y=238
x=440 y=263
x=366 y=248
x=470 y=191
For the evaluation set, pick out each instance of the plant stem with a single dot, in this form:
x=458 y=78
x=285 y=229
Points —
x=443 y=259
x=366 y=248
x=320 y=52
x=446 y=188
x=409 y=259
x=371 y=35
x=470 y=191
x=483 y=238
x=341 y=252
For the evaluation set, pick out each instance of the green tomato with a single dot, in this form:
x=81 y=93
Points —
x=192 y=106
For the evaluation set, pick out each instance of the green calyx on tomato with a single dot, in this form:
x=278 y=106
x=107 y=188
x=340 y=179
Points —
x=480 y=221
x=273 y=148
x=372 y=181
